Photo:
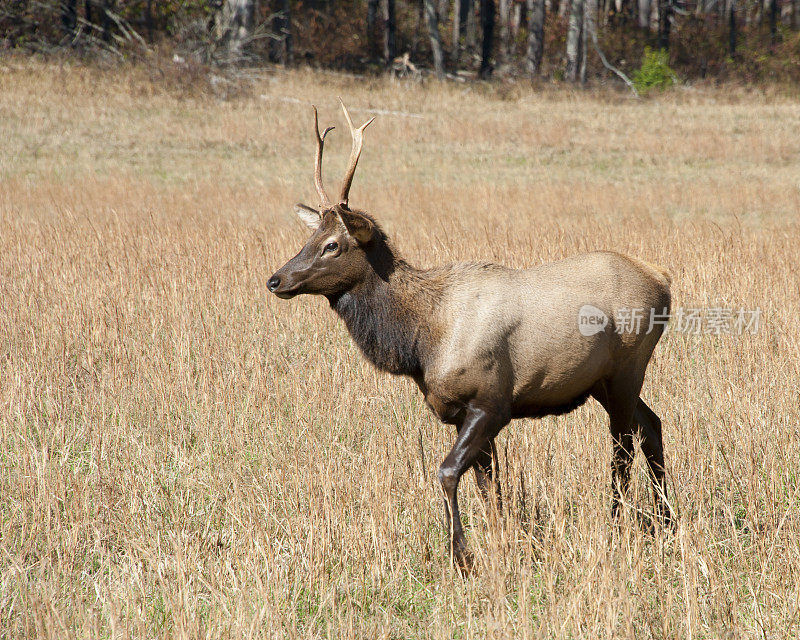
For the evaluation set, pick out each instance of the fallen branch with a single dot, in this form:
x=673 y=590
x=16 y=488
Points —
x=610 y=66
x=126 y=29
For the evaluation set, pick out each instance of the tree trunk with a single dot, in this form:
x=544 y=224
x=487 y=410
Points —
x=487 y=40
x=795 y=19
x=533 y=59
x=471 y=26
x=584 y=39
x=389 y=31
x=505 y=33
x=97 y=15
x=574 y=37
x=432 y=23
x=589 y=31
x=563 y=7
x=148 y=19
x=372 y=29
x=732 y=28
x=517 y=16
x=442 y=10
x=105 y=20
x=456 y=27
x=664 y=23
x=233 y=25
x=69 y=16
x=773 y=21
x=644 y=13
x=282 y=31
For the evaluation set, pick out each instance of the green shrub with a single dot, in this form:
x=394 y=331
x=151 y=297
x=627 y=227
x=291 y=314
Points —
x=655 y=72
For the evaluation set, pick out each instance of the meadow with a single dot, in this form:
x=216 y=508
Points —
x=184 y=455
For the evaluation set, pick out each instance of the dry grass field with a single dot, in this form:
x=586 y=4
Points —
x=183 y=455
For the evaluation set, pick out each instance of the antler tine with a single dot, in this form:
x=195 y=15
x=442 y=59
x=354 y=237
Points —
x=358 y=140
x=325 y=200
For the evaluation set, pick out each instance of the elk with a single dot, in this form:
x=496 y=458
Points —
x=484 y=343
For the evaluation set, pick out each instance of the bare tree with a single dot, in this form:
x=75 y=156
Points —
x=106 y=22
x=773 y=21
x=471 y=39
x=732 y=28
x=574 y=40
x=282 y=33
x=644 y=13
x=442 y=10
x=664 y=23
x=457 y=27
x=504 y=9
x=432 y=22
x=517 y=12
x=487 y=43
x=389 y=31
x=589 y=32
x=463 y=26
x=233 y=27
x=372 y=28
x=533 y=59
x=69 y=16
x=148 y=19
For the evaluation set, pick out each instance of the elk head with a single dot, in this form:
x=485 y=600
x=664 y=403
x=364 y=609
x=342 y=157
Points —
x=334 y=258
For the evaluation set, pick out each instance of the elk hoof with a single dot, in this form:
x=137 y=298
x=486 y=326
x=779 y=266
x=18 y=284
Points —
x=463 y=560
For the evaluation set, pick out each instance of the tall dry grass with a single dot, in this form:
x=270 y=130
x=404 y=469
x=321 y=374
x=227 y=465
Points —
x=185 y=456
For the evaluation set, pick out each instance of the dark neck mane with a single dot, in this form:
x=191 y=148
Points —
x=390 y=315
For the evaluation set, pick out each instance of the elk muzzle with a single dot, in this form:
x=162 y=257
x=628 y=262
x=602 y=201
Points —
x=283 y=285
x=296 y=276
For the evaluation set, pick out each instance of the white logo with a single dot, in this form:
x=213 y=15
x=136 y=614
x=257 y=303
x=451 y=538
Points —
x=591 y=320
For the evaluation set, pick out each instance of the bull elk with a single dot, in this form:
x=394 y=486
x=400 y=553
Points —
x=485 y=343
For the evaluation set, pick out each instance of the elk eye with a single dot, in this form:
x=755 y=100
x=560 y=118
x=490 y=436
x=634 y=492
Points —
x=330 y=247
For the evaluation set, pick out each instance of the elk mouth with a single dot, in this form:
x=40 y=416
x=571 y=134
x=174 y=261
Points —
x=287 y=293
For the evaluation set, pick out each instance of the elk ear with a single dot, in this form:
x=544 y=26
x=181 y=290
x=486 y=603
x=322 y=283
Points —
x=309 y=216
x=358 y=226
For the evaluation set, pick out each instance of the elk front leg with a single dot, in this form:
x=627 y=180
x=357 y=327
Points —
x=479 y=427
x=618 y=399
x=653 y=449
x=621 y=461
x=487 y=474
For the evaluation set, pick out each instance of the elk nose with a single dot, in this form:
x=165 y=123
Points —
x=273 y=283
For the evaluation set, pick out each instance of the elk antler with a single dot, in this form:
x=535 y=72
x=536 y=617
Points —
x=325 y=200
x=358 y=139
